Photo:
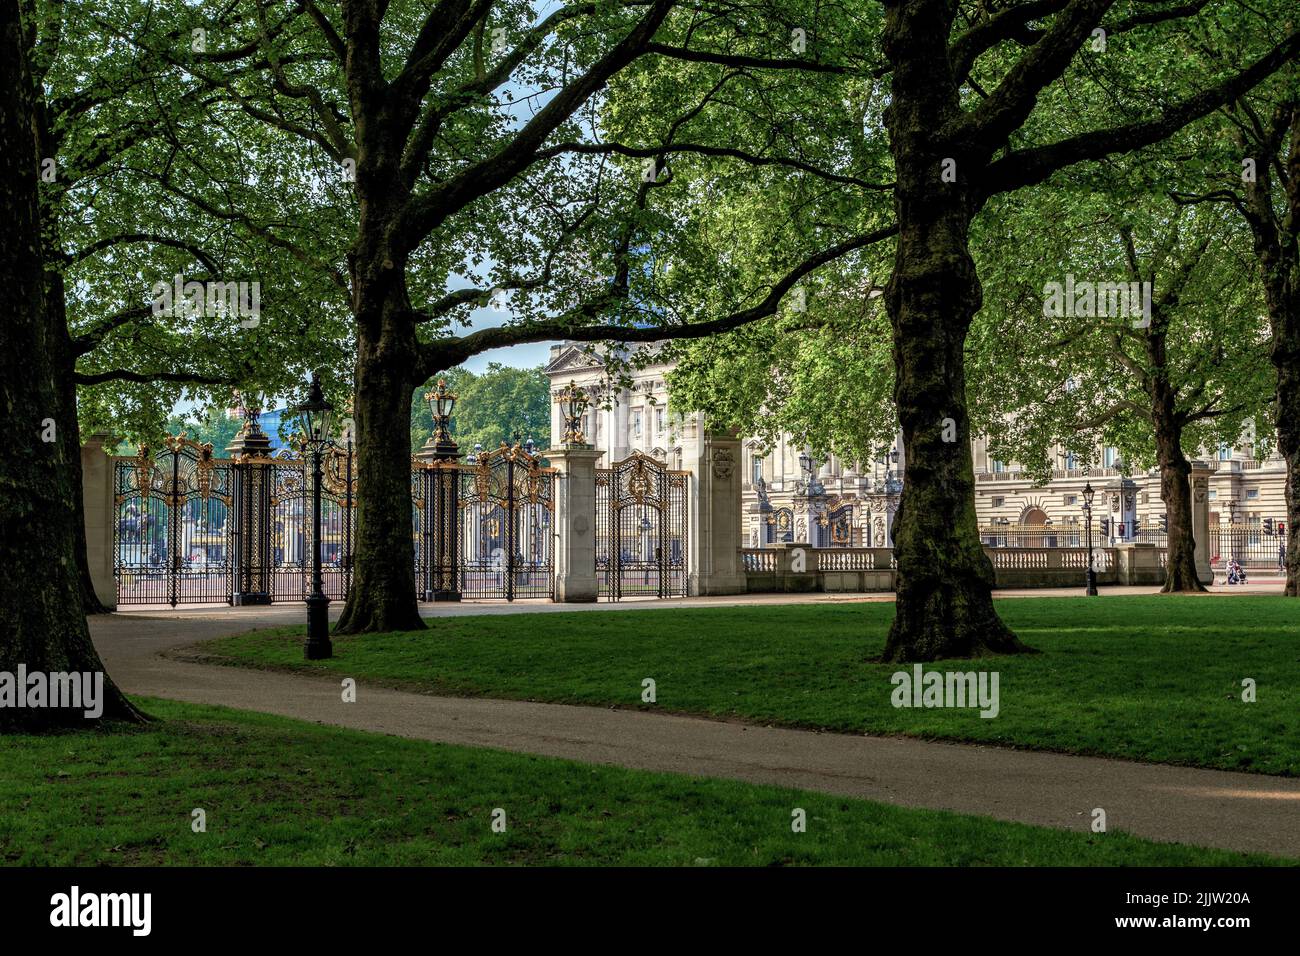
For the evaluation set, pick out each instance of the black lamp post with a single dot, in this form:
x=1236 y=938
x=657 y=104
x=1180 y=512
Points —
x=1087 y=511
x=316 y=413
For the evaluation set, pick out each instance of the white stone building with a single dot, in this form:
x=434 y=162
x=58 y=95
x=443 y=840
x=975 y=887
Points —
x=852 y=504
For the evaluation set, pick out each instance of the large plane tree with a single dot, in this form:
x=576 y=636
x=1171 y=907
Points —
x=983 y=102
x=1255 y=174
x=42 y=628
x=1180 y=371
x=455 y=137
x=102 y=113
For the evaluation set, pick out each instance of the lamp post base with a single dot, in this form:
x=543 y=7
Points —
x=1092 y=583
x=318 y=646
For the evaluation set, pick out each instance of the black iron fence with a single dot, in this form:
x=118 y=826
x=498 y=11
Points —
x=1252 y=545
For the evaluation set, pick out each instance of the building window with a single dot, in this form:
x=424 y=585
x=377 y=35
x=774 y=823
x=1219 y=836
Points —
x=756 y=473
x=636 y=424
x=1225 y=451
x=1212 y=496
x=997 y=503
x=1109 y=455
x=1250 y=493
x=996 y=465
x=1071 y=461
x=659 y=422
x=1069 y=500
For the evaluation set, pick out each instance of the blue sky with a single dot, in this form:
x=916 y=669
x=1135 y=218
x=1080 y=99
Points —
x=519 y=356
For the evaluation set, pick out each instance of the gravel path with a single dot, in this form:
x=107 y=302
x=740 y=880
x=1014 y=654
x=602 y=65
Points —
x=1174 y=804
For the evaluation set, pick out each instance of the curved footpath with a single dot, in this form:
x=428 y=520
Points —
x=1174 y=804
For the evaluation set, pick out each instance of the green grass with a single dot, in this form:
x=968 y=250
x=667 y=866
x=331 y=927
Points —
x=285 y=792
x=1154 y=678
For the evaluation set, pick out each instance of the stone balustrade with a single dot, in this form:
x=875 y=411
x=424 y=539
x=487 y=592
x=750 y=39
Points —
x=801 y=568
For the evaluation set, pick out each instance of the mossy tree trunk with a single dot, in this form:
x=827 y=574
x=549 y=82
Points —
x=1277 y=253
x=42 y=625
x=1286 y=360
x=1176 y=492
x=945 y=580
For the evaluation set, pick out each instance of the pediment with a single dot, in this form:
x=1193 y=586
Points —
x=573 y=358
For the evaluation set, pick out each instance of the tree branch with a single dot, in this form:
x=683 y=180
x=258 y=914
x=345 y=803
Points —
x=1027 y=167
x=453 y=351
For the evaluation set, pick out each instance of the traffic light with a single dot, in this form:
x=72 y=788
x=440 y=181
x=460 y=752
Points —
x=1137 y=527
x=1281 y=528
x=1105 y=526
x=1164 y=524
x=1119 y=529
x=1268 y=525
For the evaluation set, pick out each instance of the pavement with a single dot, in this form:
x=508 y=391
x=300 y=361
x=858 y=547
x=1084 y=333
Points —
x=1234 y=811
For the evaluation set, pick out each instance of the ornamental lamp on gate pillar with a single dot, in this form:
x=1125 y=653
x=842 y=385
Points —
x=573 y=405
x=441 y=457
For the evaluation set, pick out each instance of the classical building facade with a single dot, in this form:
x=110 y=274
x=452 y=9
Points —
x=790 y=496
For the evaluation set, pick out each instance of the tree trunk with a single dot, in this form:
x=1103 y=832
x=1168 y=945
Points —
x=1176 y=492
x=383 y=596
x=944 y=604
x=1285 y=353
x=69 y=432
x=1278 y=260
x=42 y=627
x=1175 y=470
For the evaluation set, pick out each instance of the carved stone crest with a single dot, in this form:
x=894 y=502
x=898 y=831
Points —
x=724 y=463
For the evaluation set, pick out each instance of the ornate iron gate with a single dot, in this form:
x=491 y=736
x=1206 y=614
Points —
x=505 y=547
x=291 y=524
x=641 y=529
x=171 y=527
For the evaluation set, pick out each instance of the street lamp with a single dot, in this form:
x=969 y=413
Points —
x=1088 y=492
x=805 y=465
x=316 y=414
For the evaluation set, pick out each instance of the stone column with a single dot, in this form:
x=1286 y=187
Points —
x=716 y=530
x=575 y=523
x=1200 y=478
x=101 y=513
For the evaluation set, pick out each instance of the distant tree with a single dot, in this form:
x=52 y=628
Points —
x=211 y=424
x=1180 y=370
x=491 y=408
x=1255 y=172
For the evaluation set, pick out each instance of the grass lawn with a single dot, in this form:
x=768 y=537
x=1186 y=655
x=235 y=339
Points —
x=281 y=792
x=1156 y=678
